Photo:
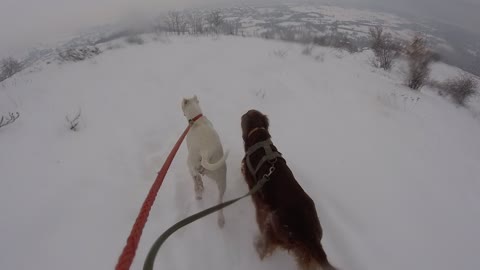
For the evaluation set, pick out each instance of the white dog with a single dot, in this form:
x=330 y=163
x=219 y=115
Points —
x=205 y=152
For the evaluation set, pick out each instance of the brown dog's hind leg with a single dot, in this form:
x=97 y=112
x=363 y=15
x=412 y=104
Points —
x=265 y=243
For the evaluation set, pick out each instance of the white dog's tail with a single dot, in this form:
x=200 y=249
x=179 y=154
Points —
x=215 y=166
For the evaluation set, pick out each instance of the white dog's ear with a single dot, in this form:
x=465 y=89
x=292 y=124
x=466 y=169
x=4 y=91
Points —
x=184 y=102
x=196 y=99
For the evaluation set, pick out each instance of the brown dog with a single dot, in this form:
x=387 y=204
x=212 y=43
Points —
x=286 y=215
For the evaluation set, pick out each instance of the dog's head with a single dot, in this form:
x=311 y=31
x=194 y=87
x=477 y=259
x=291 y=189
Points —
x=191 y=107
x=251 y=120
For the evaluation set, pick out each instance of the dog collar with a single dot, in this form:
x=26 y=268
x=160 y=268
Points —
x=193 y=120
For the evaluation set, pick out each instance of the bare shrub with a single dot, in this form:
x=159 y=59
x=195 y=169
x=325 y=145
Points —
x=307 y=50
x=419 y=59
x=280 y=53
x=9 y=119
x=460 y=89
x=73 y=124
x=9 y=66
x=320 y=57
x=384 y=48
x=134 y=40
x=336 y=40
x=78 y=54
x=377 y=37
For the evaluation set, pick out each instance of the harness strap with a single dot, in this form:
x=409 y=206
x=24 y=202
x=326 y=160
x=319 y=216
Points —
x=257 y=146
x=269 y=155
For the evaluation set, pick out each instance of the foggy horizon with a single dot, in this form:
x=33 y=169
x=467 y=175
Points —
x=26 y=23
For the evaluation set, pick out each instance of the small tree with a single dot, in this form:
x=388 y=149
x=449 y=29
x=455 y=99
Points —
x=460 y=89
x=9 y=66
x=384 y=48
x=419 y=59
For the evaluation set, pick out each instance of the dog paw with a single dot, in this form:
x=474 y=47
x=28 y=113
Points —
x=198 y=188
x=199 y=193
x=260 y=247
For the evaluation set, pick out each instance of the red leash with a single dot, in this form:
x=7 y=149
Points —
x=128 y=254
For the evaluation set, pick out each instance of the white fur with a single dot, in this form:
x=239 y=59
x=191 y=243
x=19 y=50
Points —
x=205 y=153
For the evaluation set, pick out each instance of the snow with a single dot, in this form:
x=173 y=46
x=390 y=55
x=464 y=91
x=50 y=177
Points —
x=337 y=13
x=394 y=173
x=287 y=24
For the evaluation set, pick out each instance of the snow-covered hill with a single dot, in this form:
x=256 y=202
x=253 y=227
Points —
x=394 y=173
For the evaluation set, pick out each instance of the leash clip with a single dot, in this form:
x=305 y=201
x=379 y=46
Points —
x=270 y=172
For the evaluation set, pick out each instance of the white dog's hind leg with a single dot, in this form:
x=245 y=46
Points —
x=221 y=183
x=197 y=180
x=198 y=187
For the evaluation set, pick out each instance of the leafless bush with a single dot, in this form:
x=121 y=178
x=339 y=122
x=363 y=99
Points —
x=336 y=40
x=320 y=57
x=419 y=59
x=9 y=66
x=280 y=53
x=73 y=124
x=9 y=119
x=134 y=40
x=384 y=48
x=460 y=89
x=377 y=37
x=307 y=50
x=78 y=54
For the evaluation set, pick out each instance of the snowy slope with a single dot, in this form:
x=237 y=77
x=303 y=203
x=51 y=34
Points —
x=394 y=174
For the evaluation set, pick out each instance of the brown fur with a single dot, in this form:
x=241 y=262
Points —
x=286 y=215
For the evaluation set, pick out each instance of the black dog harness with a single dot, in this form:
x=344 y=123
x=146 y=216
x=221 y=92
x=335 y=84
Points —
x=270 y=155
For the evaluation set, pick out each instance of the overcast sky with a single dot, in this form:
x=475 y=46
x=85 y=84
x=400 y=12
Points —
x=25 y=22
